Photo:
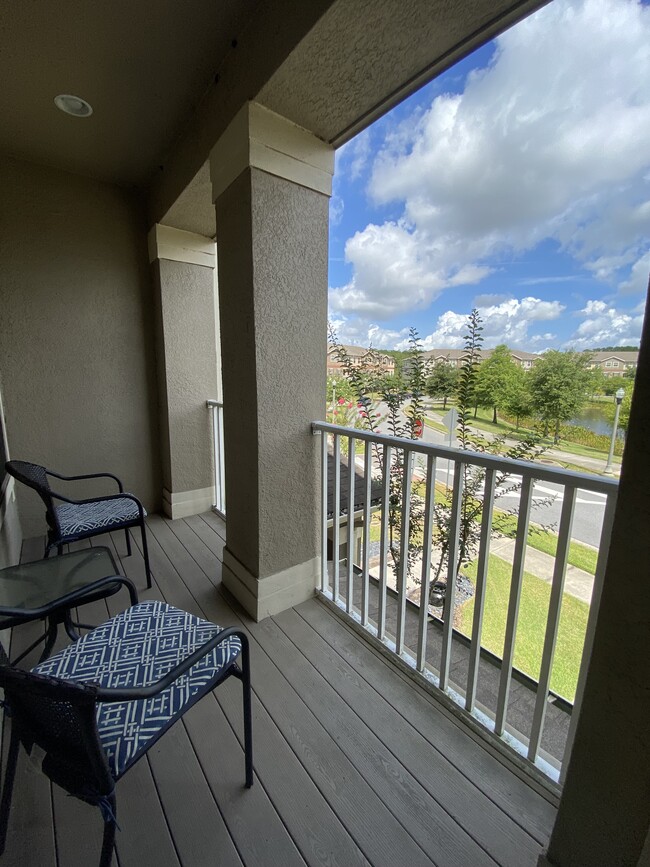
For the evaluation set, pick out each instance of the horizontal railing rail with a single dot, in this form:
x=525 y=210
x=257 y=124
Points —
x=350 y=589
x=215 y=408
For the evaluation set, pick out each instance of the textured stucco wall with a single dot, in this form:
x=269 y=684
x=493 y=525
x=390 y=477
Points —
x=76 y=333
x=604 y=813
x=272 y=237
x=187 y=360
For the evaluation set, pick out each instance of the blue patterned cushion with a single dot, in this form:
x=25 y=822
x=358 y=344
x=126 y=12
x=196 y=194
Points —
x=102 y=515
x=136 y=648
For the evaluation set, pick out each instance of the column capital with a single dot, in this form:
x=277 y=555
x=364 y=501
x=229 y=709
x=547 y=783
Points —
x=260 y=138
x=166 y=242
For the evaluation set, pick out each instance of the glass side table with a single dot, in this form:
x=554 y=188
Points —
x=48 y=590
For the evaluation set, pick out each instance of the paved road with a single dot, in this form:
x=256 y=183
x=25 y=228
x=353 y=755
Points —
x=589 y=510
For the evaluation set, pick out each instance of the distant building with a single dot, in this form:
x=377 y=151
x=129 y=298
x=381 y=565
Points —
x=455 y=357
x=614 y=363
x=358 y=355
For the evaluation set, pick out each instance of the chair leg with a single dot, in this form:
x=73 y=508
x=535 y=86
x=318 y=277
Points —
x=108 y=841
x=145 y=554
x=50 y=639
x=7 y=789
x=248 y=716
x=128 y=543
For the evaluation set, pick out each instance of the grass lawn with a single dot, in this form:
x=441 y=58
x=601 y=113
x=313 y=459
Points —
x=435 y=425
x=533 y=611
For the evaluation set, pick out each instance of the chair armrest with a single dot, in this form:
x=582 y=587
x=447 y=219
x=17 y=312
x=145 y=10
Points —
x=87 y=476
x=135 y=693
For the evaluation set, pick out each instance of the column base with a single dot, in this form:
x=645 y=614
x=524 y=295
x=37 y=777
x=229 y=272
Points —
x=263 y=597
x=184 y=503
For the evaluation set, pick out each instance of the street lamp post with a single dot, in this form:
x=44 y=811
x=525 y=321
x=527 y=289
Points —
x=620 y=394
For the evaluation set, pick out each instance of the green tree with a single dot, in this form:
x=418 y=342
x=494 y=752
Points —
x=559 y=387
x=598 y=381
x=404 y=411
x=442 y=381
x=517 y=400
x=338 y=387
x=527 y=448
x=494 y=379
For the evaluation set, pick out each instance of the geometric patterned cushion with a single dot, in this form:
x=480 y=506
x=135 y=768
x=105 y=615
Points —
x=136 y=648
x=104 y=514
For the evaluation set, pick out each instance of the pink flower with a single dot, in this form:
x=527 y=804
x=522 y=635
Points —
x=341 y=401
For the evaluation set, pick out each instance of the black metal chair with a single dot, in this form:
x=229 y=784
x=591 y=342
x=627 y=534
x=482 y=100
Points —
x=91 y=727
x=79 y=519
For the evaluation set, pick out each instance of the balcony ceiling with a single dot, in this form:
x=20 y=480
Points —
x=148 y=70
x=143 y=66
x=356 y=62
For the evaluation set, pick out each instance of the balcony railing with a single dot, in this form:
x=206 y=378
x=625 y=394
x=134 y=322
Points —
x=215 y=407
x=350 y=585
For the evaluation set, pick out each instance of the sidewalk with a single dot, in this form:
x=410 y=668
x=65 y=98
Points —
x=576 y=583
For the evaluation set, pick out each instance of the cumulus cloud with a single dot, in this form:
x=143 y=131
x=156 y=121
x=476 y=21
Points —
x=362 y=332
x=532 y=149
x=395 y=272
x=506 y=322
x=604 y=325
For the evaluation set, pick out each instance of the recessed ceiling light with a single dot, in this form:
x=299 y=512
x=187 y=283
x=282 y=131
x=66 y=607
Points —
x=74 y=105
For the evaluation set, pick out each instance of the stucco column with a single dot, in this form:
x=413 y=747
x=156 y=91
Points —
x=604 y=813
x=184 y=270
x=271 y=183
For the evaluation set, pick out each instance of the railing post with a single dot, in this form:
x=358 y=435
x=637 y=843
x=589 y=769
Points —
x=496 y=469
x=216 y=409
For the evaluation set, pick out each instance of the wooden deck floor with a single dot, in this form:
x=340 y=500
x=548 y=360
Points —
x=354 y=763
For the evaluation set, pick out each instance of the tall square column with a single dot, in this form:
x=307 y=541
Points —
x=187 y=353
x=271 y=184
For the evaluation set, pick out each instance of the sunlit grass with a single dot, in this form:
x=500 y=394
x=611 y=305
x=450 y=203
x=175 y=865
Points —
x=531 y=626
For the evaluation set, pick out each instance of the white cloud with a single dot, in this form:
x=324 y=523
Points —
x=337 y=206
x=353 y=157
x=506 y=322
x=362 y=332
x=604 y=325
x=543 y=281
x=552 y=140
x=639 y=278
x=395 y=272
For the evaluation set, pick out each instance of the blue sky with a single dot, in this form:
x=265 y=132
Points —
x=517 y=182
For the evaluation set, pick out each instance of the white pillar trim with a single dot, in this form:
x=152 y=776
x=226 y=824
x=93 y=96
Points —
x=166 y=242
x=264 y=597
x=180 y=504
x=262 y=139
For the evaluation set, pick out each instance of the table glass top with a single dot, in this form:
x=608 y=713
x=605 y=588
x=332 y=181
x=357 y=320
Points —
x=33 y=585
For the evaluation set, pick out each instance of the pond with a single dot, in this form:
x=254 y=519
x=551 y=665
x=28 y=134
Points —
x=597 y=418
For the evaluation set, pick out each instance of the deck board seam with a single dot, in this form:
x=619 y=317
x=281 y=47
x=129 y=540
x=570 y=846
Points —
x=440 y=752
x=187 y=734
x=397 y=760
x=280 y=732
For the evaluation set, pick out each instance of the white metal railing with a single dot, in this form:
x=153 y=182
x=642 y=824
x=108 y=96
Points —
x=379 y=457
x=216 y=410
